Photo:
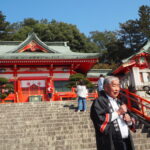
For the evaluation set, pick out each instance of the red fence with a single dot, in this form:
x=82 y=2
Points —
x=136 y=104
x=59 y=96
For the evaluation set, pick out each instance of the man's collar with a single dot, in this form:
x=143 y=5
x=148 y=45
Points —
x=110 y=98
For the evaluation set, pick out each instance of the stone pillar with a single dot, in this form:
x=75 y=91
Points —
x=137 y=81
x=136 y=78
x=145 y=79
x=132 y=79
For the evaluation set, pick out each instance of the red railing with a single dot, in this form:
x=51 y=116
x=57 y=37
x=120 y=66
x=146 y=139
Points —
x=9 y=99
x=136 y=104
x=59 y=96
x=92 y=96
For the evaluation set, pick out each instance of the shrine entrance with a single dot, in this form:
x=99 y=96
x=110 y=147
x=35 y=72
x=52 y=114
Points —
x=30 y=90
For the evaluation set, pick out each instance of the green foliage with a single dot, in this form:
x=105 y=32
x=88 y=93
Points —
x=130 y=34
x=22 y=34
x=111 y=65
x=3 y=27
x=116 y=52
x=102 y=39
x=112 y=49
x=10 y=87
x=53 y=31
x=4 y=95
x=73 y=80
x=30 y=22
x=3 y=81
x=108 y=44
x=144 y=21
x=7 y=86
x=135 y=32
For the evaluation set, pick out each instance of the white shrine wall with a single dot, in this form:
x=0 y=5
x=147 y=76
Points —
x=61 y=75
x=8 y=76
x=33 y=75
x=137 y=78
x=32 y=69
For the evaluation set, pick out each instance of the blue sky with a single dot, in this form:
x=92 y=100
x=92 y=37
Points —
x=87 y=15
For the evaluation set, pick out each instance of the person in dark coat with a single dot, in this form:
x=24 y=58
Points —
x=111 y=118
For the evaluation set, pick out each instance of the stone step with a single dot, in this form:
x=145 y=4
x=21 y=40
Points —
x=46 y=142
x=54 y=126
x=51 y=126
x=142 y=147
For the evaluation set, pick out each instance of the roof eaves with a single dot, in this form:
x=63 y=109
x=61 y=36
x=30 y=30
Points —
x=43 y=44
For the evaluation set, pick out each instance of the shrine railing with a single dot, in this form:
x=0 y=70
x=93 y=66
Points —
x=92 y=96
x=9 y=99
x=72 y=95
x=136 y=104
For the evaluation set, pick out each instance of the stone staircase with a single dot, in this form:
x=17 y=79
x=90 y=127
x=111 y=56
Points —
x=51 y=126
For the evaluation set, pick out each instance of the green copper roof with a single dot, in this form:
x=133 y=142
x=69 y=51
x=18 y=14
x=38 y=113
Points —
x=55 y=50
x=145 y=49
x=48 y=56
x=34 y=37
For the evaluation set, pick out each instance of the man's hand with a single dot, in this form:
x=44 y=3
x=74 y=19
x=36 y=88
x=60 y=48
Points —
x=127 y=118
x=122 y=109
x=133 y=120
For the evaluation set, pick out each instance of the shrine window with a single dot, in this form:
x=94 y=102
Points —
x=61 y=86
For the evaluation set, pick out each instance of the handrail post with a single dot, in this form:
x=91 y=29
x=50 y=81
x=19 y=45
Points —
x=128 y=99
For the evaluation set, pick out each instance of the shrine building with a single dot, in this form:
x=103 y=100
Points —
x=134 y=71
x=31 y=64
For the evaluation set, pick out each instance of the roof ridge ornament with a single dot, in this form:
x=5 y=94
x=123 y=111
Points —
x=33 y=37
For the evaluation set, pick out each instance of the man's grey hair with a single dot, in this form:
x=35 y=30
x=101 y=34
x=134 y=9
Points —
x=109 y=79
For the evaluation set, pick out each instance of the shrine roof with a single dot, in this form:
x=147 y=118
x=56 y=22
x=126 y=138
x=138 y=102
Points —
x=5 y=47
x=48 y=56
x=144 y=49
x=50 y=50
x=130 y=61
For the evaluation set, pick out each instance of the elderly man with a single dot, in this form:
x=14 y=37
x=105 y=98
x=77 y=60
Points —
x=111 y=118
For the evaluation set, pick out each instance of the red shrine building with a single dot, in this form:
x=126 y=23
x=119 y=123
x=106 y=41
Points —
x=135 y=71
x=31 y=64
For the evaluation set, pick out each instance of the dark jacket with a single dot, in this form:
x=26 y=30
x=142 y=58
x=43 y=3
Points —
x=101 y=117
